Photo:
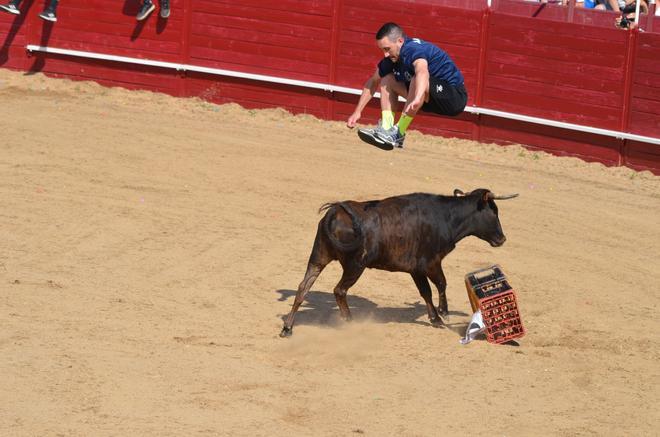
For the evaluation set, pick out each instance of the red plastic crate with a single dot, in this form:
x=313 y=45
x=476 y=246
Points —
x=501 y=317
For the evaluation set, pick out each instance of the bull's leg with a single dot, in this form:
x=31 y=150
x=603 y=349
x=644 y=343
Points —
x=318 y=259
x=352 y=273
x=313 y=272
x=425 y=291
x=438 y=278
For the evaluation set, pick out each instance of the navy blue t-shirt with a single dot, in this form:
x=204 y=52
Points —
x=440 y=64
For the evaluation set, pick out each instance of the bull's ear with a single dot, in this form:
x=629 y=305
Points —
x=483 y=199
x=458 y=193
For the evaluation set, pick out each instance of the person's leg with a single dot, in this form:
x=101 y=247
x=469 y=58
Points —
x=406 y=118
x=12 y=7
x=164 y=8
x=49 y=13
x=395 y=136
x=390 y=90
x=146 y=9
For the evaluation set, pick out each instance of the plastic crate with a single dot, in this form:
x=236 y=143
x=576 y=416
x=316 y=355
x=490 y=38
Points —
x=490 y=292
x=484 y=283
x=501 y=317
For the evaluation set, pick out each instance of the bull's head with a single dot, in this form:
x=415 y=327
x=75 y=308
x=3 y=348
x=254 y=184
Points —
x=485 y=222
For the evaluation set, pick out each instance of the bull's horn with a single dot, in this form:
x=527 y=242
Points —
x=507 y=196
x=458 y=192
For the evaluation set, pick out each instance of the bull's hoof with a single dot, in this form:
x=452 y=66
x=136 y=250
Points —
x=286 y=332
x=437 y=323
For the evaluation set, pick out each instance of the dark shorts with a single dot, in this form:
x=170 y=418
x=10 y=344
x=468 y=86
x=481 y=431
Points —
x=444 y=98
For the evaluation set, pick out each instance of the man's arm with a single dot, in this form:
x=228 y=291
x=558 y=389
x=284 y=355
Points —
x=367 y=93
x=418 y=87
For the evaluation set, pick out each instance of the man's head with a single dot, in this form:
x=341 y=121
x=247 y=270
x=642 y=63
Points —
x=390 y=38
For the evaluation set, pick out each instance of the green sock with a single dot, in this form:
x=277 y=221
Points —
x=403 y=123
x=387 y=119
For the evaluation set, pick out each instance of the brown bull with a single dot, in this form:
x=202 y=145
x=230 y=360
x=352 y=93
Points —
x=409 y=233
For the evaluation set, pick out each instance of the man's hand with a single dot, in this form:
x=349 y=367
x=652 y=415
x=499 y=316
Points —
x=419 y=88
x=353 y=119
x=367 y=92
x=413 y=106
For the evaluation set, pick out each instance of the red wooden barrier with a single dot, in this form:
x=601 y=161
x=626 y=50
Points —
x=645 y=103
x=533 y=59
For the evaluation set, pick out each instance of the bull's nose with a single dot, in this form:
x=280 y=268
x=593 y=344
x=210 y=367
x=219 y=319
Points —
x=498 y=242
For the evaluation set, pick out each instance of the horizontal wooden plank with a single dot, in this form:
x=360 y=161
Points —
x=542 y=41
x=284 y=52
x=593 y=17
x=111 y=74
x=13 y=57
x=207 y=12
x=416 y=16
x=96 y=42
x=267 y=40
x=275 y=63
x=646 y=92
x=637 y=150
x=146 y=53
x=642 y=123
x=540 y=75
x=510 y=24
x=559 y=91
x=260 y=26
x=242 y=92
x=121 y=31
x=103 y=16
x=650 y=40
x=548 y=53
x=646 y=79
x=403 y=8
x=129 y=8
x=556 y=141
x=311 y=7
x=642 y=156
x=648 y=65
x=566 y=70
x=553 y=109
x=246 y=63
x=368 y=30
x=651 y=107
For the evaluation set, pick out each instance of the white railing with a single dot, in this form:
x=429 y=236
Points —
x=335 y=88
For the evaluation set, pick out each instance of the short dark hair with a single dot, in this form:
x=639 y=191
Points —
x=390 y=30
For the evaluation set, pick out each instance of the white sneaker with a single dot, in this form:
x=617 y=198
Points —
x=146 y=9
x=48 y=16
x=11 y=8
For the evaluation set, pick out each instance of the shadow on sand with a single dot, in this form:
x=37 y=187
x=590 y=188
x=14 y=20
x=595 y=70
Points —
x=320 y=309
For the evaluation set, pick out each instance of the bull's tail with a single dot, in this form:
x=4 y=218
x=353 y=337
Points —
x=355 y=221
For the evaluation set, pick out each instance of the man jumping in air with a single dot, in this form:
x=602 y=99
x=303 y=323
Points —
x=417 y=70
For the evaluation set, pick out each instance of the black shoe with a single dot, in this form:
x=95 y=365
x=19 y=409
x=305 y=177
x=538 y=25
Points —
x=391 y=136
x=11 y=8
x=164 y=8
x=48 y=15
x=146 y=9
x=369 y=137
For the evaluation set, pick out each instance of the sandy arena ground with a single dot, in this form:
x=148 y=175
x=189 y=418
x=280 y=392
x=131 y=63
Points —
x=150 y=247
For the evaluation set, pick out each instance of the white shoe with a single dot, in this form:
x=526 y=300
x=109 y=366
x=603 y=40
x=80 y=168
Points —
x=48 y=16
x=11 y=8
